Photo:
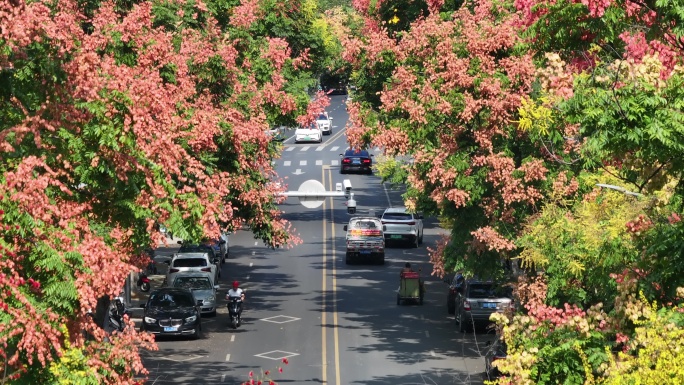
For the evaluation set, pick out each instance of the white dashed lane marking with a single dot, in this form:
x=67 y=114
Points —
x=319 y=162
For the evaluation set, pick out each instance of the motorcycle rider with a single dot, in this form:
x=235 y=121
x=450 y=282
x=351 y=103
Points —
x=236 y=291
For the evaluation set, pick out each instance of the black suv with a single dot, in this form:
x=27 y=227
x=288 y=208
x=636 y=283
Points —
x=476 y=300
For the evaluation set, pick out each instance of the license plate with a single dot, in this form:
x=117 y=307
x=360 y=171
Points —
x=356 y=161
x=489 y=305
x=395 y=236
x=364 y=252
x=170 y=329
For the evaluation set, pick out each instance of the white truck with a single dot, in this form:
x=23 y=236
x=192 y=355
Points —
x=365 y=240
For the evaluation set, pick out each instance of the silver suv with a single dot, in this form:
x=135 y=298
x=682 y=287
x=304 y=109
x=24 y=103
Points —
x=477 y=300
x=400 y=225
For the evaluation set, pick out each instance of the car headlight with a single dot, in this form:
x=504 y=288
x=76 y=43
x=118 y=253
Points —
x=191 y=319
x=211 y=298
x=149 y=320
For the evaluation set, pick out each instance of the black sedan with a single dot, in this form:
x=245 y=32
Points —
x=172 y=311
x=359 y=161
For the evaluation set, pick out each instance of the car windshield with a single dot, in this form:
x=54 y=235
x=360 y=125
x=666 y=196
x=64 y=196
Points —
x=169 y=300
x=397 y=216
x=364 y=225
x=322 y=117
x=193 y=283
x=488 y=290
x=194 y=248
x=351 y=153
x=189 y=262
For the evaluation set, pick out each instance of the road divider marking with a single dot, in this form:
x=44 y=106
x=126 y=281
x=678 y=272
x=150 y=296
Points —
x=227 y=357
x=232 y=338
x=250 y=265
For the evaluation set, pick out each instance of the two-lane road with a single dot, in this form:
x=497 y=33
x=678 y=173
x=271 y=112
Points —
x=337 y=324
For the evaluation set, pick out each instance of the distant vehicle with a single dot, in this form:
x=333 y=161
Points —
x=477 y=300
x=277 y=134
x=359 y=161
x=172 y=311
x=365 y=240
x=310 y=133
x=211 y=247
x=324 y=123
x=192 y=262
x=402 y=226
x=496 y=350
x=202 y=288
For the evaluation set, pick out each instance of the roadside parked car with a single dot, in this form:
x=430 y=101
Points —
x=192 y=262
x=496 y=351
x=211 y=247
x=324 y=123
x=202 y=288
x=310 y=133
x=454 y=284
x=402 y=226
x=359 y=161
x=476 y=300
x=172 y=311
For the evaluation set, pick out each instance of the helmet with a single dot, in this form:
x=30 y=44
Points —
x=235 y=284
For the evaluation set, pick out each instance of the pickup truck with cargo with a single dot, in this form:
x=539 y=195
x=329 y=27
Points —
x=365 y=240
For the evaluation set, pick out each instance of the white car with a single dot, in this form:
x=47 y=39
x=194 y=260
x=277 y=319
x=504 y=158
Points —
x=310 y=133
x=400 y=225
x=199 y=262
x=324 y=122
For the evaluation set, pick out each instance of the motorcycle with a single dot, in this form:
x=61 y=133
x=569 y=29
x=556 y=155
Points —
x=234 y=307
x=143 y=283
x=117 y=311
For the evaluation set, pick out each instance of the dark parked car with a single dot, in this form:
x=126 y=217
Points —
x=172 y=311
x=359 y=161
x=495 y=351
x=477 y=300
x=454 y=284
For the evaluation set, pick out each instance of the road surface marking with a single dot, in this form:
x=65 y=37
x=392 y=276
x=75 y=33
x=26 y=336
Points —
x=334 y=162
x=319 y=163
x=232 y=338
x=223 y=377
x=334 y=148
x=324 y=315
x=320 y=148
x=287 y=163
x=250 y=265
x=253 y=252
x=427 y=334
x=227 y=357
x=302 y=163
x=305 y=148
x=384 y=187
x=255 y=243
x=336 y=334
x=432 y=353
x=291 y=148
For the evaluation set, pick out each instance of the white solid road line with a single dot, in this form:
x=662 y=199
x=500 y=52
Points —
x=227 y=357
x=232 y=338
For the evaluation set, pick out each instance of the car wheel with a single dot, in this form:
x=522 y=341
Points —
x=420 y=239
x=381 y=260
x=459 y=320
x=415 y=242
x=342 y=171
x=347 y=259
x=198 y=332
x=398 y=300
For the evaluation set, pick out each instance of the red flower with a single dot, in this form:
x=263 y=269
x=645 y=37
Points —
x=267 y=372
x=251 y=374
x=280 y=370
x=285 y=361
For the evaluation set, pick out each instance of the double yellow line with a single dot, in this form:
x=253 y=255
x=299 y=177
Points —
x=324 y=316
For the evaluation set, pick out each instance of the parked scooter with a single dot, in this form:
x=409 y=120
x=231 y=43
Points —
x=234 y=310
x=117 y=311
x=143 y=283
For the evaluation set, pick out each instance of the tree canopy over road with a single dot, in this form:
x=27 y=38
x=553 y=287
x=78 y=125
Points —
x=120 y=116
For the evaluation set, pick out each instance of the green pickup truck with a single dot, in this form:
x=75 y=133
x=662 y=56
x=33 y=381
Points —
x=365 y=240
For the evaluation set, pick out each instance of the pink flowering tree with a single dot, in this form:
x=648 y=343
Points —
x=116 y=117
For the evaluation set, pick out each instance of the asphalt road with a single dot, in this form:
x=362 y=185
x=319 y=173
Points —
x=336 y=324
